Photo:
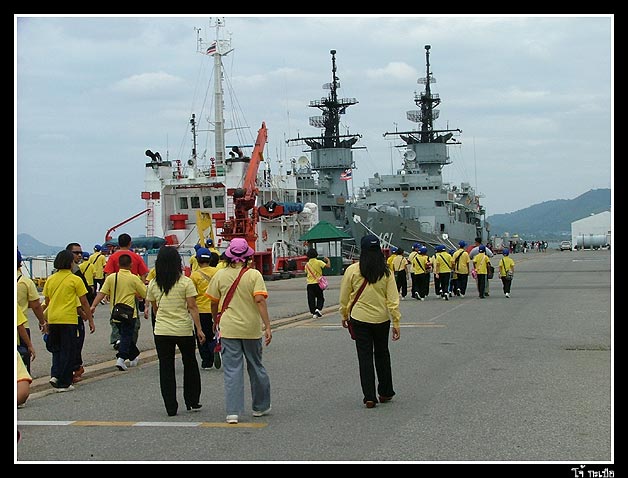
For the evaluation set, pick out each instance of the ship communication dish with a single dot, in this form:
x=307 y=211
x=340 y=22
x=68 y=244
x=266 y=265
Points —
x=409 y=155
x=302 y=161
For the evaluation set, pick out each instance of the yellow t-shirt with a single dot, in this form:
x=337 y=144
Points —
x=505 y=261
x=462 y=266
x=193 y=263
x=378 y=302
x=98 y=264
x=87 y=268
x=443 y=262
x=398 y=263
x=63 y=288
x=316 y=266
x=241 y=319
x=201 y=278
x=480 y=261
x=173 y=317
x=26 y=292
x=128 y=287
x=389 y=261
x=151 y=275
x=419 y=264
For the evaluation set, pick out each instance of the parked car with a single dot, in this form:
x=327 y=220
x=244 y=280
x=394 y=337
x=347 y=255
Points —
x=565 y=245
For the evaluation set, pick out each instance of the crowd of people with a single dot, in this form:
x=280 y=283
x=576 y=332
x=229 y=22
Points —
x=220 y=309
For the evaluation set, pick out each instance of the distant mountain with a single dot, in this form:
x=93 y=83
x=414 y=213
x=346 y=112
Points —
x=29 y=246
x=550 y=219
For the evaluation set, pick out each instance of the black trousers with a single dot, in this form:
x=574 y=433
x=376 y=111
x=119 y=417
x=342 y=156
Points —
x=461 y=282
x=315 y=298
x=166 y=348
x=444 y=283
x=507 y=283
x=371 y=344
x=401 y=279
x=482 y=281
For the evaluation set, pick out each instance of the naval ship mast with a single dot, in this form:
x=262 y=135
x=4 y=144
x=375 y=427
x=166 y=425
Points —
x=331 y=152
x=426 y=159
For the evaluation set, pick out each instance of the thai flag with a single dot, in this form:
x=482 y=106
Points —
x=346 y=174
x=212 y=49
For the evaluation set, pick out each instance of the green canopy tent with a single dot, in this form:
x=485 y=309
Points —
x=330 y=238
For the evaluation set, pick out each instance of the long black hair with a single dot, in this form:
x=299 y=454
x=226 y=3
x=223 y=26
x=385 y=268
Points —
x=373 y=264
x=167 y=268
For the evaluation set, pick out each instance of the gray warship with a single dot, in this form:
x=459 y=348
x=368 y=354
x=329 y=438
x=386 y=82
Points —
x=415 y=205
x=331 y=162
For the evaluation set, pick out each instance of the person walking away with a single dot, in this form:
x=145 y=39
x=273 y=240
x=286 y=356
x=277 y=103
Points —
x=28 y=298
x=453 y=277
x=442 y=269
x=506 y=272
x=414 y=270
x=173 y=298
x=62 y=291
x=480 y=262
x=315 y=295
x=98 y=261
x=240 y=330
x=423 y=274
x=124 y=288
x=138 y=267
x=475 y=249
x=400 y=268
x=370 y=317
x=80 y=269
x=207 y=262
x=461 y=267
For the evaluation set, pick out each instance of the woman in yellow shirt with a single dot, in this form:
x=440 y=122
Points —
x=370 y=316
x=173 y=298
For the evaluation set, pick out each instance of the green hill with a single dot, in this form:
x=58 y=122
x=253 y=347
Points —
x=551 y=219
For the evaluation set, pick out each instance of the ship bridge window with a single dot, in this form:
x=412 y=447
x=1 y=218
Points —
x=195 y=202
x=183 y=203
x=207 y=202
x=439 y=203
x=219 y=201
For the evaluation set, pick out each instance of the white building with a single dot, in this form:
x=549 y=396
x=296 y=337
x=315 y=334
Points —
x=593 y=231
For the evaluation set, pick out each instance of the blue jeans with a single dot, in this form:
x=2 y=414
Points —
x=206 y=349
x=234 y=352
x=62 y=342
x=127 y=349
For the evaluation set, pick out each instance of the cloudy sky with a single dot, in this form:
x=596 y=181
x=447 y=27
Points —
x=532 y=96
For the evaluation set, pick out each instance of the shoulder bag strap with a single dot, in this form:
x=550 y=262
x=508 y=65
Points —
x=312 y=272
x=416 y=258
x=115 y=284
x=357 y=296
x=230 y=293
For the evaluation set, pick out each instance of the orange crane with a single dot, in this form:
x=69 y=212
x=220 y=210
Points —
x=113 y=228
x=242 y=223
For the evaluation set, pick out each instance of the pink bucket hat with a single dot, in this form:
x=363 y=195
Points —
x=239 y=250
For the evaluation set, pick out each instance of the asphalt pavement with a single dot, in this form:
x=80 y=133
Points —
x=526 y=379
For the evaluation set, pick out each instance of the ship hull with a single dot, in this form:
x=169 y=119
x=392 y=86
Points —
x=394 y=230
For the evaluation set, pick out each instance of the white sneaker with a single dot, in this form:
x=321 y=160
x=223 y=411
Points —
x=261 y=414
x=69 y=388
x=508 y=294
x=134 y=362
x=422 y=298
x=121 y=365
x=53 y=381
x=461 y=295
x=318 y=313
x=232 y=419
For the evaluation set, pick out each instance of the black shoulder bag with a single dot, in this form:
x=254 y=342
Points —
x=120 y=312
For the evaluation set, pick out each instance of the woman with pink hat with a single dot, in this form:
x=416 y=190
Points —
x=238 y=294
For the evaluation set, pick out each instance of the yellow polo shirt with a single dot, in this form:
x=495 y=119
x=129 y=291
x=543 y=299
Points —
x=201 y=278
x=173 y=317
x=63 y=288
x=128 y=287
